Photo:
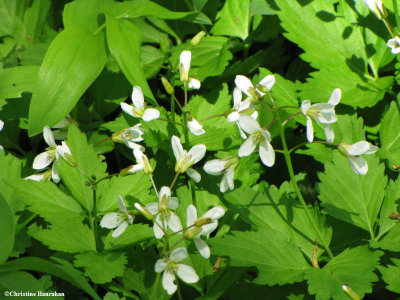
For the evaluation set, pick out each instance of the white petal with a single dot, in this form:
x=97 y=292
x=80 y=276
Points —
x=177 y=147
x=111 y=220
x=55 y=176
x=121 y=205
x=168 y=282
x=202 y=247
x=195 y=127
x=194 y=175
x=174 y=222
x=135 y=168
x=335 y=97
x=62 y=150
x=138 y=155
x=165 y=191
x=233 y=117
x=42 y=160
x=160 y=265
x=120 y=230
x=36 y=177
x=187 y=274
x=242 y=134
x=358 y=164
x=194 y=83
x=267 y=154
x=197 y=152
x=214 y=213
x=152 y=208
x=48 y=137
x=191 y=215
x=237 y=97
x=268 y=81
x=248 y=124
x=358 y=148
x=243 y=83
x=372 y=149
x=215 y=166
x=178 y=254
x=254 y=115
x=329 y=133
x=1 y=125
x=184 y=60
x=248 y=146
x=150 y=114
x=157 y=230
x=128 y=109
x=137 y=98
x=134 y=146
x=227 y=181
x=305 y=106
x=208 y=228
x=327 y=117
x=310 y=130
x=173 y=203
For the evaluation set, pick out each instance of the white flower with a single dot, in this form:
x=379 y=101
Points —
x=52 y=153
x=323 y=113
x=142 y=163
x=377 y=7
x=1 y=128
x=119 y=220
x=61 y=127
x=45 y=176
x=352 y=153
x=246 y=86
x=394 y=44
x=257 y=136
x=170 y=267
x=130 y=136
x=184 y=65
x=206 y=224
x=194 y=83
x=184 y=160
x=165 y=217
x=139 y=110
x=239 y=107
x=195 y=127
x=225 y=165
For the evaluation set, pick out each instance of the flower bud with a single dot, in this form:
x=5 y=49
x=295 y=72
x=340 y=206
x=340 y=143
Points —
x=184 y=65
x=262 y=88
x=117 y=136
x=254 y=95
x=144 y=211
x=202 y=221
x=352 y=294
x=167 y=86
x=148 y=169
x=184 y=164
x=197 y=38
x=165 y=45
x=192 y=232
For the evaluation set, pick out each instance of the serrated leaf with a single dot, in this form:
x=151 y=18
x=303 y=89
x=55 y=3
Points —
x=350 y=197
x=65 y=235
x=354 y=267
x=46 y=200
x=391 y=275
x=82 y=13
x=390 y=241
x=390 y=138
x=277 y=210
x=101 y=267
x=134 y=234
x=277 y=260
x=7 y=230
x=14 y=81
x=73 y=61
x=335 y=50
x=234 y=19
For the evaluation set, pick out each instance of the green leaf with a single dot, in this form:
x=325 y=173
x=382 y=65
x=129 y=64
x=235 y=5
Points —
x=82 y=13
x=277 y=260
x=278 y=211
x=124 y=40
x=35 y=18
x=14 y=81
x=73 y=61
x=21 y=282
x=391 y=275
x=354 y=267
x=335 y=50
x=390 y=241
x=10 y=16
x=152 y=60
x=7 y=230
x=65 y=235
x=101 y=267
x=350 y=197
x=234 y=19
x=63 y=270
x=45 y=199
x=134 y=234
x=390 y=139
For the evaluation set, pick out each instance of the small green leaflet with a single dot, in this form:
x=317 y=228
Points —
x=134 y=234
x=7 y=230
x=391 y=275
x=390 y=138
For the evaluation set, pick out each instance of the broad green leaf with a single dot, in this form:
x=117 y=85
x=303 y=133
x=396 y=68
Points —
x=279 y=211
x=35 y=18
x=7 y=230
x=152 y=60
x=233 y=19
x=101 y=267
x=65 y=235
x=87 y=161
x=73 y=61
x=134 y=234
x=390 y=138
x=277 y=260
x=350 y=197
x=124 y=40
x=63 y=270
x=391 y=275
x=354 y=267
x=21 y=282
x=11 y=13
x=260 y=7
x=390 y=241
x=82 y=13
x=334 y=50
x=46 y=200
x=390 y=205
x=14 y=81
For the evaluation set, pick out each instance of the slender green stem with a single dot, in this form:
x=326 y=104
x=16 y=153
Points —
x=177 y=102
x=155 y=286
x=179 y=290
x=389 y=28
x=289 y=118
x=212 y=117
x=174 y=180
x=173 y=108
x=396 y=13
x=95 y=229
x=170 y=121
x=296 y=187
x=154 y=185
x=185 y=127
x=102 y=141
x=98 y=30
x=314 y=142
x=175 y=244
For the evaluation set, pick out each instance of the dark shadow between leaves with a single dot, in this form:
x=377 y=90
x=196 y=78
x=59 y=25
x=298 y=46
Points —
x=325 y=16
